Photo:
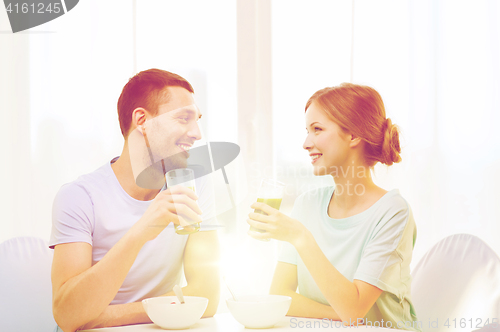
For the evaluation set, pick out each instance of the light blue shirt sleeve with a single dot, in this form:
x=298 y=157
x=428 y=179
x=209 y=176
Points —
x=389 y=252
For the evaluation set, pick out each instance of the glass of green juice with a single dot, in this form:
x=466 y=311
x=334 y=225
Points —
x=183 y=177
x=270 y=193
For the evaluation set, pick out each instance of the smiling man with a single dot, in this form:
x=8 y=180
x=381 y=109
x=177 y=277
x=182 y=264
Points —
x=112 y=246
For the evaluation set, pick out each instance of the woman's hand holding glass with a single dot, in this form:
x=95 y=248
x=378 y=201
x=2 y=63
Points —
x=275 y=225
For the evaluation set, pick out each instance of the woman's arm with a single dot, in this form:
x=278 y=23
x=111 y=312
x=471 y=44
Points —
x=350 y=300
x=285 y=283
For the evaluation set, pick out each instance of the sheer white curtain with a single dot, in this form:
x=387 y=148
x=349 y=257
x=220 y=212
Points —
x=455 y=101
x=61 y=82
x=436 y=65
x=59 y=86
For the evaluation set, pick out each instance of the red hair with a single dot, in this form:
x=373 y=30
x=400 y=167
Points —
x=359 y=110
x=147 y=90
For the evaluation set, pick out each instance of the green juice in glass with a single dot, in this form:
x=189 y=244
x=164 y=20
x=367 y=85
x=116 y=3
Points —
x=272 y=202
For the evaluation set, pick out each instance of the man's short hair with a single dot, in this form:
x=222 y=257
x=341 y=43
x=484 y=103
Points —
x=146 y=90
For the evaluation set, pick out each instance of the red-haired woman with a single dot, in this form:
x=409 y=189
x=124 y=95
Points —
x=348 y=248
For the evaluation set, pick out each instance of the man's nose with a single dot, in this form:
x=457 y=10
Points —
x=195 y=131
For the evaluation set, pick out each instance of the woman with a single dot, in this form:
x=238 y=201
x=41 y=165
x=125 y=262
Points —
x=348 y=248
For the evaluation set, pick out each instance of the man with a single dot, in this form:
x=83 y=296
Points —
x=112 y=247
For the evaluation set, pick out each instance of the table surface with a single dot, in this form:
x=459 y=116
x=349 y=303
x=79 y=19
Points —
x=225 y=322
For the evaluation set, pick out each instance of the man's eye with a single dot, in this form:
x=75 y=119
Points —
x=184 y=119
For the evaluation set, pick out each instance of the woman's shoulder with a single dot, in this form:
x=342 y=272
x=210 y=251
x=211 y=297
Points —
x=394 y=201
x=393 y=209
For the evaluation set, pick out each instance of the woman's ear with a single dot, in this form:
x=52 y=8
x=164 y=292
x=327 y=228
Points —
x=355 y=141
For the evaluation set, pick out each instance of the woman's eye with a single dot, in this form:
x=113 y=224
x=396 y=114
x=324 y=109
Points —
x=184 y=119
x=317 y=129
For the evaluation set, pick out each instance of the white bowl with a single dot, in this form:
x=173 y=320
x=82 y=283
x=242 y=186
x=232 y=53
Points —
x=175 y=316
x=259 y=312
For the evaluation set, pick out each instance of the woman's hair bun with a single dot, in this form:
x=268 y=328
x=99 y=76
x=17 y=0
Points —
x=390 y=147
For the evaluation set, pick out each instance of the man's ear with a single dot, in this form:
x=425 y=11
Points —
x=139 y=118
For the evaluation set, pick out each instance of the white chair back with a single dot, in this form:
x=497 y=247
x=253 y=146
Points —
x=456 y=285
x=25 y=287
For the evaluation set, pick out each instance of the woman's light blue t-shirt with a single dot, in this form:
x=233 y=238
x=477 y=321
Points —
x=374 y=246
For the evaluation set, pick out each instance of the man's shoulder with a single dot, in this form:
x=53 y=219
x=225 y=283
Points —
x=87 y=183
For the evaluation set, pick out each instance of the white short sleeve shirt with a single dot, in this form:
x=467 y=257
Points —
x=96 y=209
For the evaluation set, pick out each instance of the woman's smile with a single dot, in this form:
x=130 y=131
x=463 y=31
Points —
x=315 y=157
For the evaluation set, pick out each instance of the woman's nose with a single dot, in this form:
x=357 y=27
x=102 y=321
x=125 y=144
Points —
x=307 y=143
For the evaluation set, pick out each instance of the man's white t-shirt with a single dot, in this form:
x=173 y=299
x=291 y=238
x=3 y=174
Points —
x=96 y=209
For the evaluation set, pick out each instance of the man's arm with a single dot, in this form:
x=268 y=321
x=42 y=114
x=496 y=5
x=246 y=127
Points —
x=201 y=268
x=81 y=293
x=118 y=315
x=201 y=261
x=285 y=283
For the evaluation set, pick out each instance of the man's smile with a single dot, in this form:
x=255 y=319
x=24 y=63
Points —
x=185 y=147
